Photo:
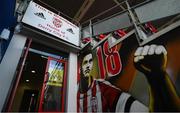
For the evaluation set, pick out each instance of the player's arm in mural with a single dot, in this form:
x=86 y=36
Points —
x=152 y=60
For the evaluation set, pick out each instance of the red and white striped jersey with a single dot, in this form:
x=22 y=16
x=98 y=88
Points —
x=104 y=97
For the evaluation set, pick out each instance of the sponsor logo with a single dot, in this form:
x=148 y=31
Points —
x=41 y=15
x=57 y=22
x=70 y=30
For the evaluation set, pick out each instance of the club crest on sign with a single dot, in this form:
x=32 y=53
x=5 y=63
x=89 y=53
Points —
x=57 y=22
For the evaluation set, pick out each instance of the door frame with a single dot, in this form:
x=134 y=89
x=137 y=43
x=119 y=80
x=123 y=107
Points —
x=64 y=87
x=13 y=92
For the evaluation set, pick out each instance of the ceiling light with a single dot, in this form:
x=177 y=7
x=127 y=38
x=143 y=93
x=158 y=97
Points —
x=33 y=71
x=27 y=80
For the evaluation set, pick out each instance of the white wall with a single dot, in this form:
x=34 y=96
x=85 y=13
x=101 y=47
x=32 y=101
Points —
x=9 y=64
x=72 y=83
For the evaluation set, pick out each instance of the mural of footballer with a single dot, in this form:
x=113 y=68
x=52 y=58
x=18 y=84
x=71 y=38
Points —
x=96 y=95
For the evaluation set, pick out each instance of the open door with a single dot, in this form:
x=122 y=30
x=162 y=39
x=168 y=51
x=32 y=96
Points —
x=54 y=86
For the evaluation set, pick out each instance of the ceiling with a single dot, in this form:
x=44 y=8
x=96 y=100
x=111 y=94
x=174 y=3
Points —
x=81 y=11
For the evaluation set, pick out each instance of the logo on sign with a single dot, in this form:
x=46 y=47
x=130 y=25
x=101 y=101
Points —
x=70 y=30
x=57 y=22
x=41 y=15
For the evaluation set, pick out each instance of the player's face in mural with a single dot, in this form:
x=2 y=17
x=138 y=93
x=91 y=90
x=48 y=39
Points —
x=87 y=64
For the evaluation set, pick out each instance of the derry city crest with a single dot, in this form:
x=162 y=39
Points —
x=57 y=22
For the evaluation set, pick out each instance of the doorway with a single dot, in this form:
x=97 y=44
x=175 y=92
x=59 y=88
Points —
x=28 y=93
